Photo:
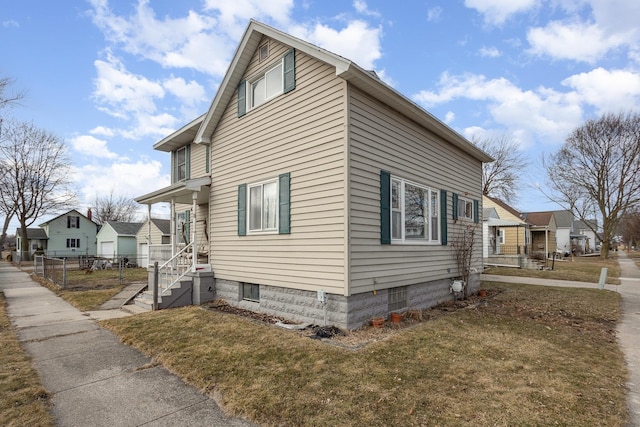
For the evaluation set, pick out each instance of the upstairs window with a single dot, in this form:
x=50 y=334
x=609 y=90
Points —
x=181 y=164
x=73 y=222
x=279 y=79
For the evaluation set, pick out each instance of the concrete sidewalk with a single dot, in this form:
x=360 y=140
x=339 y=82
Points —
x=628 y=328
x=93 y=379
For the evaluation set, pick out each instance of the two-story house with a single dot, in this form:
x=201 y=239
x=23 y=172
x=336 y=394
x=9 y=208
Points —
x=71 y=234
x=313 y=190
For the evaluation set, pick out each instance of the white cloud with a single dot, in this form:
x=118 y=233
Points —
x=362 y=8
x=607 y=90
x=129 y=179
x=449 y=117
x=496 y=12
x=170 y=42
x=121 y=91
x=92 y=147
x=10 y=23
x=357 y=41
x=489 y=52
x=574 y=41
x=434 y=14
x=233 y=15
x=548 y=114
x=188 y=93
x=101 y=130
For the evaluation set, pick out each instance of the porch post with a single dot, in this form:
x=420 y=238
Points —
x=194 y=241
x=546 y=243
x=172 y=223
x=148 y=232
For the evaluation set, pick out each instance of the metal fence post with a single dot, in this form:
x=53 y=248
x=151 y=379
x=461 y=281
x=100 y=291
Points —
x=155 y=286
x=64 y=273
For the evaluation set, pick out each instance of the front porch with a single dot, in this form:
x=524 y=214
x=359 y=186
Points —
x=180 y=272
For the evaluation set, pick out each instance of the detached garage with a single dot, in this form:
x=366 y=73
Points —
x=118 y=239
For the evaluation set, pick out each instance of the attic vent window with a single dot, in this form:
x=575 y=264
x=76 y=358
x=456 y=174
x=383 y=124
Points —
x=264 y=51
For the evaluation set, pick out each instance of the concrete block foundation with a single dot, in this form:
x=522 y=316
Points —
x=346 y=312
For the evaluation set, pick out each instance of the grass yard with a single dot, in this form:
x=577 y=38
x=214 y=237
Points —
x=526 y=355
x=581 y=269
x=89 y=291
x=23 y=401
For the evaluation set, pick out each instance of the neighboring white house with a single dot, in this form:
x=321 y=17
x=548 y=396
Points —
x=118 y=239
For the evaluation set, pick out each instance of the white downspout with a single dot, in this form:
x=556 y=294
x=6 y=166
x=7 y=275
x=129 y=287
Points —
x=194 y=242
x=172 y=222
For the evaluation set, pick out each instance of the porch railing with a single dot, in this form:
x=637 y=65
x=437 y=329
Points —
x=173 y=270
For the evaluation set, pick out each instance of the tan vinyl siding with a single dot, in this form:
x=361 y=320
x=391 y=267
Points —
x=143 y=233
x=301 y=133
x=198 y=163
x=383 y=139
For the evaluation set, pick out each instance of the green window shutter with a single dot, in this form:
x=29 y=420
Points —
x=385 y=207
x=443 y=217
x=207 y=157
x=290 y=70
x=242 y=210
x=454 y=209
x=187 y=155
x=284 y=208
x=242 y=98
x=476 y=211
x=174 y=160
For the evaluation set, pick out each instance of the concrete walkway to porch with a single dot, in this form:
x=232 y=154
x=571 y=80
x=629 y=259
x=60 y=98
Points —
x=93 y=379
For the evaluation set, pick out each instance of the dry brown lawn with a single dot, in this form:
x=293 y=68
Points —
x=23 y=401
x=581 y=269
x=525 y=355
x=89 y=291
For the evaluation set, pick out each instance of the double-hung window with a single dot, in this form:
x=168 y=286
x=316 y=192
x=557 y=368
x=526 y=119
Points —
x=73 y=222
x=279 y=78
x=415 y=212
x=465 y=208
x=181 y=164
x=73 y=243
x=266 y=86
x=263 y=206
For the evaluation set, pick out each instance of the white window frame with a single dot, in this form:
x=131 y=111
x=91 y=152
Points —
x=74 y=221
x=251 y=229
x=501 y=236
x=431 y=221
x=73 y=243
x=263 y=77
x=465 y=209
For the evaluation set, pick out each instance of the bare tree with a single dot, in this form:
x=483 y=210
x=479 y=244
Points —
x=6 y=100
x=114 y=208
x=35 y=178
x=500 y=178
x=629 y=226
x=597 y=172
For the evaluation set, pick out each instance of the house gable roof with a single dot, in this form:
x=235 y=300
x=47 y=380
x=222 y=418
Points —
x=67 y=213
x=345 y=69
x=540 y=219
x=33 y=234
x=564 y=219
x=505 y=206
x=164 y=225
x=124 y=228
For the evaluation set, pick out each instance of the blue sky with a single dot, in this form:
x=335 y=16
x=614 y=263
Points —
x=113 y=77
